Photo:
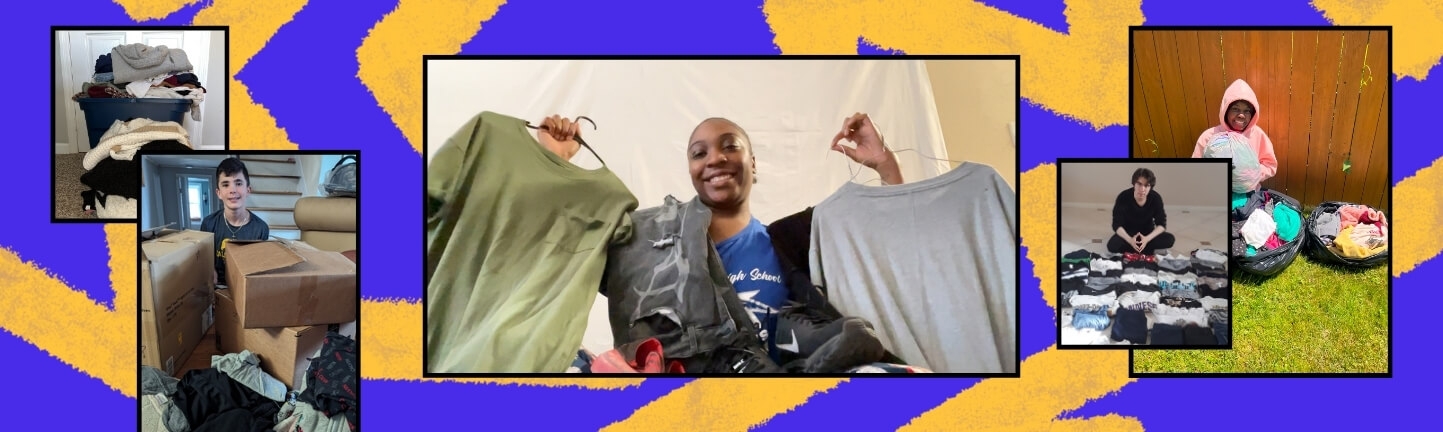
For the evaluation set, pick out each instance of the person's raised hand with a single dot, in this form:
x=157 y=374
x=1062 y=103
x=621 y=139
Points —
x=871 y=150
x=558 y=134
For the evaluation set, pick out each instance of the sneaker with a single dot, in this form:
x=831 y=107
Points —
x=815 y=344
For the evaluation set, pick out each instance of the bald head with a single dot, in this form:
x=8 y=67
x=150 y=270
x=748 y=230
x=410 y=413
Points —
x=723 y=122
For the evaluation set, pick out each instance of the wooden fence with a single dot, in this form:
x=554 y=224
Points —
x=1322 y=95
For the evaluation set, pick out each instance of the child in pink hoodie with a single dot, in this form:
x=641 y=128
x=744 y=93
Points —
x=1239 y=113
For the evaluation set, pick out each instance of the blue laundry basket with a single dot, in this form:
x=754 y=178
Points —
x=100 y=113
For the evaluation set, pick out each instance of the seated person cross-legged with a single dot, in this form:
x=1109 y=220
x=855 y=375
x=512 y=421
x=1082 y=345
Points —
x=1139 y=222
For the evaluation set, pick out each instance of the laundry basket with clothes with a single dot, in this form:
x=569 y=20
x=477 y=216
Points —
x=1347 y=234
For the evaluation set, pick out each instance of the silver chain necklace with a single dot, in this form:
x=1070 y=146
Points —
x=233 y=230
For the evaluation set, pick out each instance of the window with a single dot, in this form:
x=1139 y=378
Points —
x=193 y=189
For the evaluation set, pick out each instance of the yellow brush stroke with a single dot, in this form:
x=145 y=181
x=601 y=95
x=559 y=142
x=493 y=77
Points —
x=145 y=10
x=391 y=340
x=1053 y=381
x=1417 y=28
x=390 y=56
x=1110 y=423
x=724 y=404
x=1419 y=208
x=1039 y=226
x=99 y=342
x=252 y=24
x=1082 y=74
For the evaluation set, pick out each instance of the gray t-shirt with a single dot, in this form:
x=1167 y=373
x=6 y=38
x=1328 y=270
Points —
x=932 y=264
x=254 y=229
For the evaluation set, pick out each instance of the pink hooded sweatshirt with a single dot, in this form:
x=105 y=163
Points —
x=1257 y=139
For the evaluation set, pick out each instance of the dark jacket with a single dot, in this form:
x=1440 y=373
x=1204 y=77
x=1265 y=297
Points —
x=669 y=283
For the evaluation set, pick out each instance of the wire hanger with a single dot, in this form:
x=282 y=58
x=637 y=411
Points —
x=894 y=153
x=577 y=137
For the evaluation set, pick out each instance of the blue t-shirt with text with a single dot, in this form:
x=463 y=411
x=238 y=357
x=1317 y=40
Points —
x=755 y=272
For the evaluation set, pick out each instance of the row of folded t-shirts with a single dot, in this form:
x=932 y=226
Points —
x=1111 y=319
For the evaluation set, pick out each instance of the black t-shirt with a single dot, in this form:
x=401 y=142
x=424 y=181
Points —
x=1138 y=219
x=254 y=229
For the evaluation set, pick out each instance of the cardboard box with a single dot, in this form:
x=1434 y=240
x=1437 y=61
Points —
x=284 y=351
x=287 y=284
x=175 y=276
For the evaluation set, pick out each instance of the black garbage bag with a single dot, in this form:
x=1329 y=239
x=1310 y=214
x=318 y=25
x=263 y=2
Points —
x=1271 y=262
x=1323 y=253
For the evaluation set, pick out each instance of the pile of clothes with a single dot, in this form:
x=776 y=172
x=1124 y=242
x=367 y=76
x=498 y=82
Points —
x=234 y=394
x=141 y=71
x=113 y=173
x=1143 y=299
x=1261 y=222
x=1353 y=231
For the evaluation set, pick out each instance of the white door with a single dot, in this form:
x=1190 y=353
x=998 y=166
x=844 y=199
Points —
x=81 y=48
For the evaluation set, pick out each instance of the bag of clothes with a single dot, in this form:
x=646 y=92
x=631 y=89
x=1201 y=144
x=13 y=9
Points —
x=1247 y=171
x=1348 y=234
x=1265 y=232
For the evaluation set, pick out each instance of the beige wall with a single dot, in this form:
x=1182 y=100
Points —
x=1180 y=184
x=976 y=101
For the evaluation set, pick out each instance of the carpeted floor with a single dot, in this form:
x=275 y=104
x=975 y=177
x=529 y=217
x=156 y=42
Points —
x=68 y=169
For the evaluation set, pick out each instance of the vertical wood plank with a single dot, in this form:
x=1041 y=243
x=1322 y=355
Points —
x=1325 y=89
x=1345 y=112
x=1276 y=50
x=1211 y=54
x=1151 y=77
x=1183 y=138
x=1370 y=106
x=1294 y=166
x=1190 y=62
x=1235 y=56
x=1140 y=128
x=1379 y=185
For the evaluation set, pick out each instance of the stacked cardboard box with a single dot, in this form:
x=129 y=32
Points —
x=175 y=296
x=282 y=296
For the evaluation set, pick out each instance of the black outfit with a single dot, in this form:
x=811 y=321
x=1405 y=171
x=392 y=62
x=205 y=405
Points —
x=102 y=64
x=331 y=380
x=1079 y=254
x=1130 y=325
x=213 y=401
x=112 y=176
x=1193 y=334
x=1137 y=219
x=1166 y=334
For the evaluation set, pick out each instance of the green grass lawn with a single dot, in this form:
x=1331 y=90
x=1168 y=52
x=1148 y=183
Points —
x=1312 y=317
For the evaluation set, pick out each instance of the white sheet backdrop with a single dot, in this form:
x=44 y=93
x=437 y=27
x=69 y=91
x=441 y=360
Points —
x=646 y=109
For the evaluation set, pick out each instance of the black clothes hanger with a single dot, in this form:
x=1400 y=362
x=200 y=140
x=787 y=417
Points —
x=578 y=137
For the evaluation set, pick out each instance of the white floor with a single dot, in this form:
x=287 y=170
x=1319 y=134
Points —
x=1089 y=226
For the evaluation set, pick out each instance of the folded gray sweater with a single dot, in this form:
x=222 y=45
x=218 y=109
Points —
x=136 y=62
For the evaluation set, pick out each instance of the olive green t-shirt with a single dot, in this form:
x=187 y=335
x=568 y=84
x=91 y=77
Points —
x=516 y=241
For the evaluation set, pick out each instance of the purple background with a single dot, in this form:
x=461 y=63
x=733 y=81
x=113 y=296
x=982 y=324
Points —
x=316 y=53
